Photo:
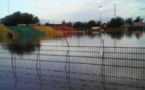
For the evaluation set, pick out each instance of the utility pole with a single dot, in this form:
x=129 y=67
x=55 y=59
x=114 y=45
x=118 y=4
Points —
x=115 y=19
x=114 y=11
x=8 y=7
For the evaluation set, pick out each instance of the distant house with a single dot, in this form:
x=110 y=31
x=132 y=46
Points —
x=126 y=25
x=138 y=23
x=95 y=28
x=104 y=25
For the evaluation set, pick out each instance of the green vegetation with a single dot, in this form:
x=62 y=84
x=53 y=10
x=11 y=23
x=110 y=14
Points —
x=19 y=18
x=129 y=20
x=138 y=19
x=116 y=22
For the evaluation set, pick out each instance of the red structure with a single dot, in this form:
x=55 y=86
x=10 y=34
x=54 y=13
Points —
x=67 y=31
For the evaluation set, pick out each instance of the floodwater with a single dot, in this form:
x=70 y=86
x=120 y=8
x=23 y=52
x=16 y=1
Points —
x=75 y=63
x=117 y=39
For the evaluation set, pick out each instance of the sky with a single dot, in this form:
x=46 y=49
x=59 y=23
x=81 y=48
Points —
x=55 y=11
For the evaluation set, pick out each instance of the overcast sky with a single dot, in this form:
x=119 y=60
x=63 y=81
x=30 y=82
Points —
x=55 y=11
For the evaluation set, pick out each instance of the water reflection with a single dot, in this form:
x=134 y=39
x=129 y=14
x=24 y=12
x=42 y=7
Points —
x=138 y=34
x=21 y=49
x=116 y=35
x=22 y=45
x=13 y=64
x=129 y=34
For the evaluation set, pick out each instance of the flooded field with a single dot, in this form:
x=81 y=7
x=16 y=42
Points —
x=74 y=63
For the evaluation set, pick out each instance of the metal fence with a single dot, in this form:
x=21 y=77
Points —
x=76 y=67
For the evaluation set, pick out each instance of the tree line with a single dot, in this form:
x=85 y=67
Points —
x=26 y=18
x=114 y=22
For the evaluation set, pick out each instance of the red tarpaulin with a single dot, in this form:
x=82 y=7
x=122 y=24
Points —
x=67 y=31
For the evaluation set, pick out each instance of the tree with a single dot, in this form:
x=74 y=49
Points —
x=47 y=24
x=20 y=18
x=79 y=24
x=16 y=17
x=63 y=22
x=98 y=23
x=129 y=20
x=35 y=20
x=91 y=23
x=138 y=19
x=116 y=22
x=69 y=24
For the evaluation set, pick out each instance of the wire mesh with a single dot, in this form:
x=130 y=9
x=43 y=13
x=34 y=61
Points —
x=77 y=67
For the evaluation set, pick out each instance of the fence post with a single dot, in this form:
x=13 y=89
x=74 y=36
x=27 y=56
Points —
x=67 y=42
x=101 y=43
x=102 y=47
